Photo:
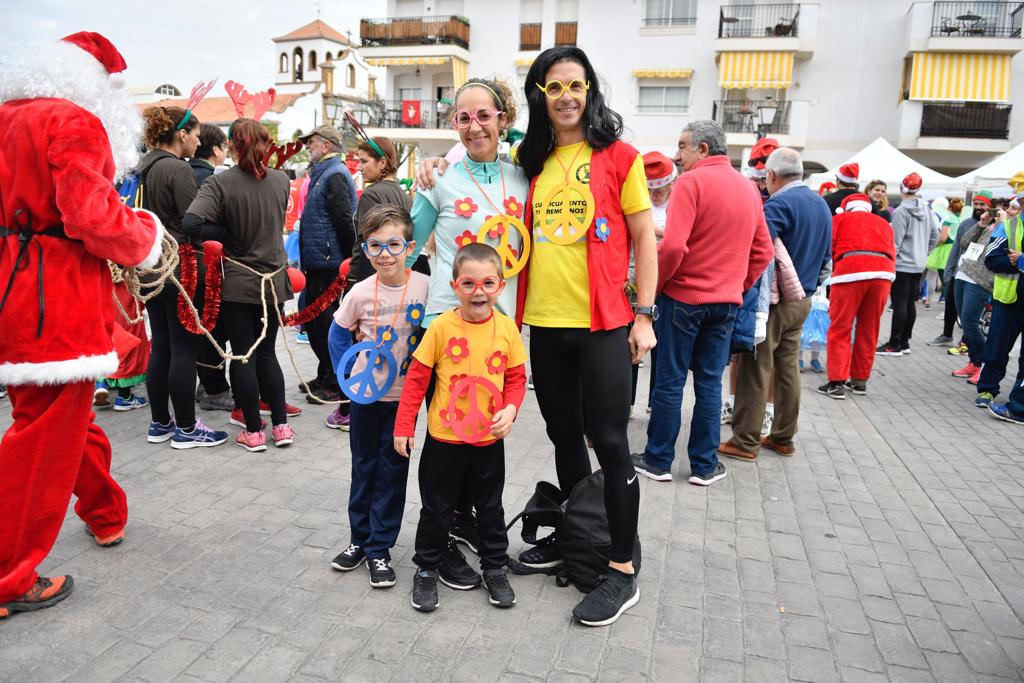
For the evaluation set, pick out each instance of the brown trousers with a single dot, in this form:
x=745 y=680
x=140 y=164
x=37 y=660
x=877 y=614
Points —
x=780 y=351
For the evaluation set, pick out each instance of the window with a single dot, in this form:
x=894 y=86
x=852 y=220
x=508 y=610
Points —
x=409 y=93
x=663 y=99
x=670 y=13
x=297 y=64
x=282 y=63
x=350 y=76
x=167 y=89
x=312 y=59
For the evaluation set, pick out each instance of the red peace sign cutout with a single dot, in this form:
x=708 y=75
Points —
x=476 y=425
x=511 y=262
x=565 y=227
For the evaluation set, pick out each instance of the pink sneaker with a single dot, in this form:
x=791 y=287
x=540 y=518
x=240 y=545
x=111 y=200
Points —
x=967 y=371
x=254 y=442
x=283 y=435
x=973 y=379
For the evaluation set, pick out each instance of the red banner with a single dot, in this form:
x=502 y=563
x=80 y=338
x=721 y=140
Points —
x=411 y=112
x=293 y=211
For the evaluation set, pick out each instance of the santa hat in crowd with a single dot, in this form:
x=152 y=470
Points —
x=659 y=169
x=849 y=174
x=100 y=48
x=911 y=184
x=825 y=188
x=855 y=202
x=759 y=154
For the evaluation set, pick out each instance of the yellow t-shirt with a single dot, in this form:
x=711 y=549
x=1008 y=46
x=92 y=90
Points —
x=559 y=286
x=455 y=348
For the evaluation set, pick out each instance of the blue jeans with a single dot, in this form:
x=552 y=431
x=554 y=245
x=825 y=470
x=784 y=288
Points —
x=689 y=338
x=1003 y=330
x=970 y=304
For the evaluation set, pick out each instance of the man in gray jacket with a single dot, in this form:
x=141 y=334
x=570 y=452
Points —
x=915 y=234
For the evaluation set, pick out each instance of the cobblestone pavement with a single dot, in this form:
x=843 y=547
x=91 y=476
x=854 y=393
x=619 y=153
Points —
x=891 y=547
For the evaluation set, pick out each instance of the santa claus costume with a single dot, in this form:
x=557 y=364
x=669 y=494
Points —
x=864 y=266
x=66 y=130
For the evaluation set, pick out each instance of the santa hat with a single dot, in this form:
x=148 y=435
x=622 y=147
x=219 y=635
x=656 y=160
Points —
x=985 y=197
x=759 y=154
x=659 y=169
x=911 y=184
x=849 y=173
x=826 y=186
x=100 y=48
x=855 y=202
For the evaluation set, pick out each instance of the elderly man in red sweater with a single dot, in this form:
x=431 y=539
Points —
x=716 y=246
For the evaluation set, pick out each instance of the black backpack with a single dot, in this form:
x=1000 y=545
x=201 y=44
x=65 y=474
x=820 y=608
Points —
x=580 y=524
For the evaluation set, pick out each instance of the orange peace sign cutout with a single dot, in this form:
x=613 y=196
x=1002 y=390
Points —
x=511 y=262
x=566 y=227
x=476 y=425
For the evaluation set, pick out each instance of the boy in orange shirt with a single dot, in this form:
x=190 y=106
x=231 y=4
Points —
x=479 y=360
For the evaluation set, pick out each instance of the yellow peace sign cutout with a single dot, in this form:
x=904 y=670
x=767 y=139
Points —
x=511 y=262
x=566 y=227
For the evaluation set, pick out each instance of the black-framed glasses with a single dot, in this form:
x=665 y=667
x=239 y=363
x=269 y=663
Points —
x=394 y=246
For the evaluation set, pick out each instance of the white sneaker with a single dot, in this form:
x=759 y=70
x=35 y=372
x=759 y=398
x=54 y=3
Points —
x=726 y=413
x=766 y=423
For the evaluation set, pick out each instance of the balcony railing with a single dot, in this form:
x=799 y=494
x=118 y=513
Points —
x=742 y=116
x=389 y=114
x=758 y=21
x=529 y=36
x=977 y=19
x=565 y=33
x=430 y=30
x=966 y=120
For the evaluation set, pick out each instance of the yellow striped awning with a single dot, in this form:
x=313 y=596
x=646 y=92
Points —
x=524 y=61
x=404 y=61
x=755 y=69
x=459 y=68
x=960 y=76
x=662 y=73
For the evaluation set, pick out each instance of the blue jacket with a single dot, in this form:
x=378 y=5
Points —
x=327 y=228
x=802 y=220
x=756 y=300
x=997 y=258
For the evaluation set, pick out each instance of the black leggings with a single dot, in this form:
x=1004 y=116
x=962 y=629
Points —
x=568 y=365
x=242 y=325
x=906 y=289
x=172 y=362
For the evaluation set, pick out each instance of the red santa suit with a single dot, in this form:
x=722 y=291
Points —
x=63 y=126
x=864 y=266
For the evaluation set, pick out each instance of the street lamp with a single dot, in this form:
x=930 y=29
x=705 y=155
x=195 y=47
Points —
x=766 y=110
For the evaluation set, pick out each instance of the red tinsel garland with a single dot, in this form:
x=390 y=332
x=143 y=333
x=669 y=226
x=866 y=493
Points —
x=211 y=297
x=332 y=294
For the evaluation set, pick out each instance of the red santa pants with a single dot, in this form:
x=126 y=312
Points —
x=52 y=450
x=863 y=302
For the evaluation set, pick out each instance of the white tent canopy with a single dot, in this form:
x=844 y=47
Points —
x=880 y=160
x=996 y=173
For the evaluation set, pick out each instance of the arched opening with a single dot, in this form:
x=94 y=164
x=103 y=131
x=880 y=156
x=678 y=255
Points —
x=327 y=56
x=350 y=78
x=297 y=64
x=282 y=63
x=312 y=59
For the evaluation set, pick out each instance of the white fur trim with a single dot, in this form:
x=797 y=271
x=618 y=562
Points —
x=906 y=190
x=847 y=179
x=153 y=257
x=859 y=277
x=856 y=205
x=83 y=368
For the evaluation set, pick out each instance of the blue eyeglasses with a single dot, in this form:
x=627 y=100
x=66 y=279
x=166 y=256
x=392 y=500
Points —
x=394 y=246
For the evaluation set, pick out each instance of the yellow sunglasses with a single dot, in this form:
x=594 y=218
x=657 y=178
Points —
x=554 y=89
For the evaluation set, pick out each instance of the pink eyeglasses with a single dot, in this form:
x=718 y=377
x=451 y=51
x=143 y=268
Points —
x=463 y=119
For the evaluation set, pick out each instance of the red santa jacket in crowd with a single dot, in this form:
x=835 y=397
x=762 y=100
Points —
x=56 y=171
x=862 y=245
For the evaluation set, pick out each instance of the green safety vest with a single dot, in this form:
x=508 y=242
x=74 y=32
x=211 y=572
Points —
x=1004 y=289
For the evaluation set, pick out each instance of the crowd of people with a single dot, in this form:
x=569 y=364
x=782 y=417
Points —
x=606 y=255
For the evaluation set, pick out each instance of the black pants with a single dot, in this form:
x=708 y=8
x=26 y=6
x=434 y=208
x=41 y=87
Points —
x=906 y=289
x=444 y=470
x=242 y=325
x=464 y=503
x=317 y=282
x=171 y=374
x=213 y=381
x=950 y=316
x=568 y=365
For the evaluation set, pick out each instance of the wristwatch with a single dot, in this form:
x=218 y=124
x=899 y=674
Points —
x=650 y=311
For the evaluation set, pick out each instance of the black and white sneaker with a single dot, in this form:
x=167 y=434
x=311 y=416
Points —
x=424 y=590
x=465 y=530
x=835 y=390
x=350 y=558
x=529 y=382
x=616 y=592
x=708 y=479
x=888 y=350
x=543 y=556
x=455 y=572
x=499 y=589
x=856 y=386
x=381 y=573
x=648 y=470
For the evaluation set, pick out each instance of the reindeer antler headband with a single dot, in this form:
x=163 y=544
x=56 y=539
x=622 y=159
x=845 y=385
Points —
x=261 y=101
x=362 y=133
x=199 y=91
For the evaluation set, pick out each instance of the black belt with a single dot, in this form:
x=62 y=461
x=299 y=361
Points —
x=25 y=235
x=863 y=253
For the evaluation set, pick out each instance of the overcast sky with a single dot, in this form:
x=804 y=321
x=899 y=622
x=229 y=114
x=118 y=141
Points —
x=185 y=41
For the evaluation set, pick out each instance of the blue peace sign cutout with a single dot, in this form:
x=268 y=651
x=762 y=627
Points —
x=362 y=387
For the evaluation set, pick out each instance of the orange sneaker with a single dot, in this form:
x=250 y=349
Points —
x=46 y=592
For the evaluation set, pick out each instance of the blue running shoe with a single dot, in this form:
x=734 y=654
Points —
x=130 y=403
x=302 y=338
x=1001 y=411
x=159 y=433
x=201 y=436
x=100 y=394
x=984 y=399
x=817 y=366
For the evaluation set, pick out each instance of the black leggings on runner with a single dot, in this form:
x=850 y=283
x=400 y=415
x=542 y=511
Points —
x=568 y=365
x=262 y=374
x=171 y=373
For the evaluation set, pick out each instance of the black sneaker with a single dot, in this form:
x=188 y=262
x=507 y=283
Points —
x=834 y=389
x=322 y=394
x=498 y=588
x=455 y=572
x=708 y=479
x=856 y=386
x=889 y=350
x=542 y=556
x=616 y=592
x=312 y=384
x=648 y=470
x=465 y=530
x=350 y=558
x=381 y=573
x=424 y=590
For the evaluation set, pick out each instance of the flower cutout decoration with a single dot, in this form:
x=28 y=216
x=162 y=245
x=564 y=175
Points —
x=497 y=362
x=447 y=420
x=386 y=337
x=414 y=314
x=465 y=207
x=514 y=207
x=414 y=339
x=467 y=237
x=497 y=231
x=378 y=361
x=454 y=381
x=404 y=368
x=457 y=348
x=601 y=228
